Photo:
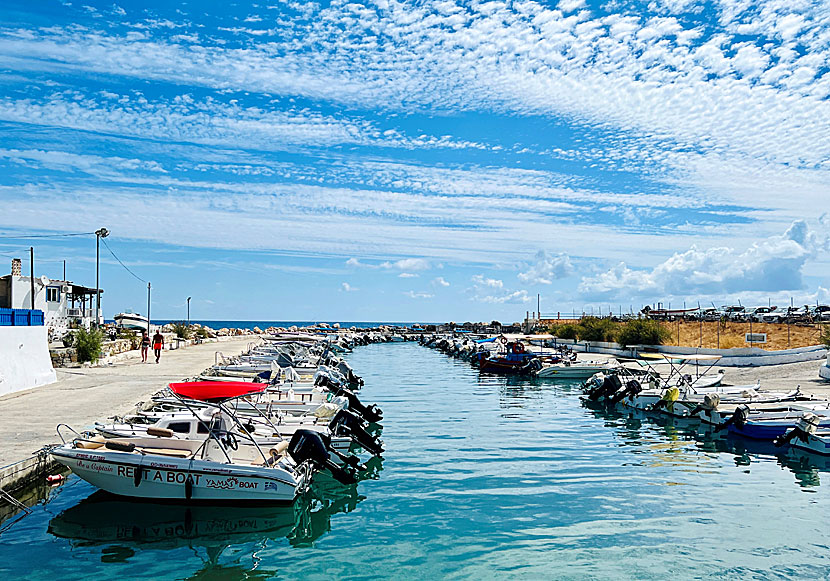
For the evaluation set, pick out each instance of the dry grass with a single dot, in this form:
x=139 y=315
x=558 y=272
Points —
x=732 y=335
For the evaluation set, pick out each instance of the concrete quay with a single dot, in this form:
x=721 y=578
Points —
x=83 y=395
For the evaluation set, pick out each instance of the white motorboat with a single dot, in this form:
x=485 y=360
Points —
x=130 y=320
x=578 y=370
x=215 y=468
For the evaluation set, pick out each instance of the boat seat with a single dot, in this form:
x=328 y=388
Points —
x=168 y=452
x=91 y=444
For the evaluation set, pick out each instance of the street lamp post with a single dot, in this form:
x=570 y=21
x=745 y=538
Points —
x=100 y=233
x=188 y=311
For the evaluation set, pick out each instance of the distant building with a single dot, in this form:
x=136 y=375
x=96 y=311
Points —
x=62 y=302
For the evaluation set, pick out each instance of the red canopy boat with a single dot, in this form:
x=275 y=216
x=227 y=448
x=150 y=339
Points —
x=215 y=390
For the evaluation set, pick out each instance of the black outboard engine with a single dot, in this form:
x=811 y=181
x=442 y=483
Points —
x=345 y=423
x=308 y=445
x=632 y=388
x=609 y=386
x=738 y=417
x=349 y=373
x=371 y=413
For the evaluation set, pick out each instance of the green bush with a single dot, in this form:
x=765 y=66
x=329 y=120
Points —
x=181 y=329
x=202 y=332
x=825 y=336
x=642 y=332
x=596 y=329
x=565 y=331
x=88 y=344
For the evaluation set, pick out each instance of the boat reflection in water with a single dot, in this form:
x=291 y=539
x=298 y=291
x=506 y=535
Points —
x=123 y=526
x=682 y=438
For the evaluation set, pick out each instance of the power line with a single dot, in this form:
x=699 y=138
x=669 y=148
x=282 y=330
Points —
x=107 y=246
x=27 y=236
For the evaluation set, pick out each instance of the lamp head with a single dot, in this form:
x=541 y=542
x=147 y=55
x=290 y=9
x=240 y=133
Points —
x=102 y=232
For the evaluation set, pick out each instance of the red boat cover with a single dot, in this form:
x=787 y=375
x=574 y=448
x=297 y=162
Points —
x=213 y=390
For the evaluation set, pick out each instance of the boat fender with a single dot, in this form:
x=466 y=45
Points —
x=119 y=447
x=54 y=478
x=160 y=432
x=188 y=487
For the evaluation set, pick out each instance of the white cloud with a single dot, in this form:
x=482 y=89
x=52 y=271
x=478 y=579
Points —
x=408 y=275
x=439 y=281
x=407 y=264
x=480 y=280
x=547 y=268
x=346 y=287
x=418 y=295
x=772 y=265
x=491 y=290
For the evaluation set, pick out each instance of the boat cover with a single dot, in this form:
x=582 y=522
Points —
x=215 y=390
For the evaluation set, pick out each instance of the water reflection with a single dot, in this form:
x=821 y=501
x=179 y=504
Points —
x=122 y=527
x=680 y=441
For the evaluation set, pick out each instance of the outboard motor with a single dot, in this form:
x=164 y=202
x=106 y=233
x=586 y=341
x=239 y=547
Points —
x=738 y=417
x=805 y=425
x=308 y=446
x=345 y=423
x=609 y=386
x=710 y=404
x=370 y=413
x=349 y=373
x=632 y=388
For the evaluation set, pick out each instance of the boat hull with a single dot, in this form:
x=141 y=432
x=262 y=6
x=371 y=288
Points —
x=166 y=478
x=570 y=371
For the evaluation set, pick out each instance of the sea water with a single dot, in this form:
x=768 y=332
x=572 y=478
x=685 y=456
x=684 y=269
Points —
x=484 y=477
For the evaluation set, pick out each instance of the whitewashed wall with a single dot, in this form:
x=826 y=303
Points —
x=24 y=359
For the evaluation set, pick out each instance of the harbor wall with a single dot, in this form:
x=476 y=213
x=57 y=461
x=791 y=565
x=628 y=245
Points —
x=740 y=357
x=24 y=359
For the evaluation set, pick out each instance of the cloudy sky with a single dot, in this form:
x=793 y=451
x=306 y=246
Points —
x=420 y=160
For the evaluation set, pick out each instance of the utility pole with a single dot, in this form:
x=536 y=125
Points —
x=148 y=309
x=188 y=311
x=538 y=307
x=32 y=273
x=100 y=233
x=64 y=271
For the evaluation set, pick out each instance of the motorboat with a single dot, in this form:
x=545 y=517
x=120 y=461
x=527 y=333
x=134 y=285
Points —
x=130 y=320
x=210 y=469
x=578 y=370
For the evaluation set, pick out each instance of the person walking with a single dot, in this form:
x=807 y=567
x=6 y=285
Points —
x=158 y=344
x=145 y=346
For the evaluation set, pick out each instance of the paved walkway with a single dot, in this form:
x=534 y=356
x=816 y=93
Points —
x=82 y=396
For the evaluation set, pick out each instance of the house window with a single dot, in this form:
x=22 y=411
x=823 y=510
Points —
x=53 y=294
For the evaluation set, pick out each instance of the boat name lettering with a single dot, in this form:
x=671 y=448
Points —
x=92 y=457
x=94 y=466
x=158 y=475
x=229 y=483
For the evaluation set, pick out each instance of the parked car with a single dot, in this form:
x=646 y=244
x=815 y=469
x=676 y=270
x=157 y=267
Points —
x=733 y=313
x=821 y=313
x=758 y=314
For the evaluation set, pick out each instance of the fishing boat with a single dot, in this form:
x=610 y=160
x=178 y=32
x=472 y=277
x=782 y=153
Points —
x=131 y=320
x=209 y=470
x=513 y=359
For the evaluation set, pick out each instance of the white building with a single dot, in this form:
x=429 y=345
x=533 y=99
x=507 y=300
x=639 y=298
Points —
x=61 y=301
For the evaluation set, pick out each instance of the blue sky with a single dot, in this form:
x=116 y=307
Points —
x=420 y=161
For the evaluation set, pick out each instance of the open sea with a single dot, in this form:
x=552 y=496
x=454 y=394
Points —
x=484 y=478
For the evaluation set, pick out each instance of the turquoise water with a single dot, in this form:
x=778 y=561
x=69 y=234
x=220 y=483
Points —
x=484 y=477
